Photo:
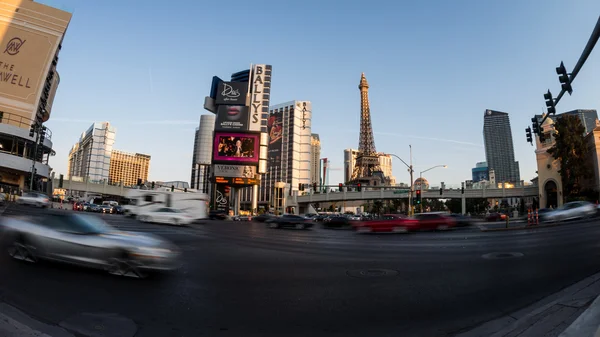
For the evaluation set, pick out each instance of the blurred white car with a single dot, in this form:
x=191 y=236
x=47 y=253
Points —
x=2 y=198
x=34 y=199
x=167 y=215
x=571 y=210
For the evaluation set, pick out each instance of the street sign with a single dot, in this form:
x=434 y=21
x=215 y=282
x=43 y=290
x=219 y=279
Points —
x=400 y=191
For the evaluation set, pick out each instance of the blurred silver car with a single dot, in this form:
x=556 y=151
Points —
x=86 y=240
x=571 y=210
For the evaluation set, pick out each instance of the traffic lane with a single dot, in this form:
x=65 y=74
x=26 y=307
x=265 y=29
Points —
x=221 y=285
x=541 y=241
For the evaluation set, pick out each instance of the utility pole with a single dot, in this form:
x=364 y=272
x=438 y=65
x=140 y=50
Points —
x=410 y=197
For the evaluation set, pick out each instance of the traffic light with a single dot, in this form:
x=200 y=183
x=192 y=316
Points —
x=359 y=187
x=139 y=182
x=462 y=190
x=314 y=187
x=31 y=130
x=172 y=188
x=153 y=185
x=300 y=187
x=341 y=187
x=185 y=189
x=535 y=126
x=528 y=135
x=563 y=77
x=42 y=134
x=550 y=103
x=418 y=199
x=60 y=181
x=441 y=191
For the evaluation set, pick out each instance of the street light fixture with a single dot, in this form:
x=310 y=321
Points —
x=421 y=179
x=411 y=171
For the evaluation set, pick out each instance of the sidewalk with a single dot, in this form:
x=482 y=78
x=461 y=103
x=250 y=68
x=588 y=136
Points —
x=573 y=311
x=14 y=323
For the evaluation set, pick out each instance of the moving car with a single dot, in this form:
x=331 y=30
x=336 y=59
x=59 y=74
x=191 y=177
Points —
x=290 y=220
x=571 y=210
x=263 y=217
x=387 y=223
x=167 y=215
x=86 y=240
x=34 y=199
x=434 y=220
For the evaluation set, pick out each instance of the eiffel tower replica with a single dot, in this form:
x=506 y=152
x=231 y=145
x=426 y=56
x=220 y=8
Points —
x=366 y=168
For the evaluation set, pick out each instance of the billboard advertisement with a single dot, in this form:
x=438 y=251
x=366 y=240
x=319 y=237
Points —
x=260 y=97
x=234 y=171
x=236 y=181
x=232 y=148
x=221 y=198
x=232 y=117
x=275 y=130
x=232 y=93
x=27 y=48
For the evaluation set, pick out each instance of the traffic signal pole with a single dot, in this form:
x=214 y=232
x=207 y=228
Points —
x=35 y=147
x=584 y=56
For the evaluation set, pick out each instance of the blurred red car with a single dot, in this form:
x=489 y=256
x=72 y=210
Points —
x=77 y=206
x=435 y=220
x=387 y=223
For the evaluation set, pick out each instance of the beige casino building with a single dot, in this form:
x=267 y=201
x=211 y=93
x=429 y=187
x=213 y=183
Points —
x=30 y=40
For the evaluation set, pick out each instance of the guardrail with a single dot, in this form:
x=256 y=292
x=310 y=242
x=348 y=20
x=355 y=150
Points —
x=20 y=121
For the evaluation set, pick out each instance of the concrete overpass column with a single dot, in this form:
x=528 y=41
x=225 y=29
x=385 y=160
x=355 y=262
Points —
x=70 y=190
x=381 y=193
x=87 y=185
x=104 y=182
x=463 y=202
x=255 y=199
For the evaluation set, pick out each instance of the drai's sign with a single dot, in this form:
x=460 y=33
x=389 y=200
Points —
x=234 y=171
x=260 y=96
x=232 y=93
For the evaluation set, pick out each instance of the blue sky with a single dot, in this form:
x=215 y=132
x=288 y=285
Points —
x=433 y=68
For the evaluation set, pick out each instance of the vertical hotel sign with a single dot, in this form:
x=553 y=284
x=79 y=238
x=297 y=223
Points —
x=260 y=95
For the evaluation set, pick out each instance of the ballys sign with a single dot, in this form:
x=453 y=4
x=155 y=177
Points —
x=260 y=97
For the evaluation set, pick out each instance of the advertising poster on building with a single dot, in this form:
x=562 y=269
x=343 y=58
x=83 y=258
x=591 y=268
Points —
x=232 y=117
x=236 y=148
x=260 y=97
x=232 y=93
x=234 y=171
x=221 y=198
x=26 y=54
x=275 y=130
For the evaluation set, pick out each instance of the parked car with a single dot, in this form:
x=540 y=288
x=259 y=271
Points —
x=495 y=216
x=34 y=199
x=571 y=210
x=105 y=209
x=290 y=220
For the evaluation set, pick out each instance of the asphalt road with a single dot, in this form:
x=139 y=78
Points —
x=243 y=279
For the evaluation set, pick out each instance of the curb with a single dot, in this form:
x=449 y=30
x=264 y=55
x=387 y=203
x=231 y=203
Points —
x=14 y=322
x=485 y=229
x=566 y=310
x=587 y=324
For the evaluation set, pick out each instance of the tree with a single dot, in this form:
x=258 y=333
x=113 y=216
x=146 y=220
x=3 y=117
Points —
x=571 y=150
x=377 y=207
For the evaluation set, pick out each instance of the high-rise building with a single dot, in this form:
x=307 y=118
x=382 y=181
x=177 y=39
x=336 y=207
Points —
x=499 y=151
x=202 y=156
x=90 y=156
x=289 y=151
x=385 y=163
x=127 y=168
x=315 y=159
x=31 y=38
x=480 y=172
x=588 y=118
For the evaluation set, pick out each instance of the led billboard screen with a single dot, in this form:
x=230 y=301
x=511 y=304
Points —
x=236 y=148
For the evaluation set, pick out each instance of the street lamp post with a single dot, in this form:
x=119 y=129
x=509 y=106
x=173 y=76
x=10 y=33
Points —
x=411 y=171
x=421 y=181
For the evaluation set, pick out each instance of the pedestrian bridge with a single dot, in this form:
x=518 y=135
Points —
x=91 y=187
x=386 y=193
